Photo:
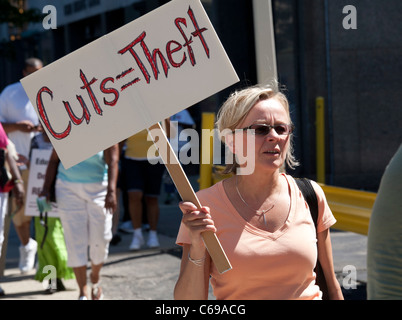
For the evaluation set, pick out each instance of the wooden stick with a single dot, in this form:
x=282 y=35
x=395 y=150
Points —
x=187 y=193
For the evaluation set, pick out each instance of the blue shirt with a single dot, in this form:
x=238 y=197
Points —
x=92 y=170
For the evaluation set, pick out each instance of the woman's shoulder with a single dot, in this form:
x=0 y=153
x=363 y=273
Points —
x=316 y=186
x=212 y=194
x=213 y=190
x=318 y=190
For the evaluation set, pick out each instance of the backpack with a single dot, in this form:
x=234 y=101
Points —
x=310 y=196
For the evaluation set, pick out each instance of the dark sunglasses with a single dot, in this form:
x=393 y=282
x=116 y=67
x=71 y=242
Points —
x=263 y=129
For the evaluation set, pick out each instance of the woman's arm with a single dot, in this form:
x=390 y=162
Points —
x=51 y=172
x=24 y=126
x=326 y=261
x=325 y=247
x=193 y=282
x=112 y=160
x=16 y=176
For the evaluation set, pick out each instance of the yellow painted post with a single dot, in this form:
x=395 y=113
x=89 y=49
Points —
x=320 y=138
x=207 y=126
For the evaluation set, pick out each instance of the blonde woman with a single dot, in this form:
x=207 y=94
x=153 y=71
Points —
x=260 y=216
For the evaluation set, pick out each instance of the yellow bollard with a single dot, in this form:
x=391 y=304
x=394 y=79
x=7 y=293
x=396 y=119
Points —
x=320 y=139
x=207 y=126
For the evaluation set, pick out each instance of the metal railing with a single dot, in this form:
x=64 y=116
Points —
x=351 y=208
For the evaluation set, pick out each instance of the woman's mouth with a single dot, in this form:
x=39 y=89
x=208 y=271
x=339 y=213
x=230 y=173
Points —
x=272 y=152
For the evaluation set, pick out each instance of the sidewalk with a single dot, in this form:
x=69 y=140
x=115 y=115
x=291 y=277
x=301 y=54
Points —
x=127 y=275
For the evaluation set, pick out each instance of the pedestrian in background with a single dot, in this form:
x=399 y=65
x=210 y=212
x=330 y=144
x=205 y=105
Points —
x=86 y=200
x=384 y=241
x=143 y=172
x=49 y=234
x=21 y=123
x=260 y=215
x=8 y=167
x=143 y=180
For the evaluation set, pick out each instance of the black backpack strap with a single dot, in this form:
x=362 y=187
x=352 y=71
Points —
x=310 y=196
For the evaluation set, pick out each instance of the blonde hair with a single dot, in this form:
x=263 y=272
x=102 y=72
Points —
x=236 y=108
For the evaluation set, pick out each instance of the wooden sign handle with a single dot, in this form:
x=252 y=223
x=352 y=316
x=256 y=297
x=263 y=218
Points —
x=187 y=193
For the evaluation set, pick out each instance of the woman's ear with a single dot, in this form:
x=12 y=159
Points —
x=229 y=141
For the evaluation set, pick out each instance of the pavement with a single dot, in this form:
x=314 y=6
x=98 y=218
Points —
x=151 y=274
x=127 y=275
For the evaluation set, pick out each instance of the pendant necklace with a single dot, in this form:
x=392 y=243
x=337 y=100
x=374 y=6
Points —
x=262 y=212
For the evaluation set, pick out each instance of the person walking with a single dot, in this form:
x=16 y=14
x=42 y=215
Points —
x=86 y=200
x=384 y=239
x=143 y=173
x=50 y=235
x=21 y=123
x=8 y=166
x=259 y=214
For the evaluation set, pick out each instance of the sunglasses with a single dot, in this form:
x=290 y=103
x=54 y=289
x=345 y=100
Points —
x=263 y=129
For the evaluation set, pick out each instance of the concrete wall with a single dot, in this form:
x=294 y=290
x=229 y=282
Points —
x=361 y=86
x=366 y=78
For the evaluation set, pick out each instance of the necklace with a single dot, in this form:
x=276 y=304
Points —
x=262 y=212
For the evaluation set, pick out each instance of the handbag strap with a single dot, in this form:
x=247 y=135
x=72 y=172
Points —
x=43 y=222
x=310 y=196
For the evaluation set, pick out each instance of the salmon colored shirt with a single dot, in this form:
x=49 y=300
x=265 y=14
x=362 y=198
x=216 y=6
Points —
x=265 y=265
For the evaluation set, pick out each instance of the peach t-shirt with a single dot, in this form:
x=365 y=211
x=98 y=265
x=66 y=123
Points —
x=265 y=265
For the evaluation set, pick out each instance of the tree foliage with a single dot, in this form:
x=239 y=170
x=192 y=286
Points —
x=9 y=13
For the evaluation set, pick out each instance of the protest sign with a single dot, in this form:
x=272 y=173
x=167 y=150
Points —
x=37 y=172
x=187 y=193
x=129 y=79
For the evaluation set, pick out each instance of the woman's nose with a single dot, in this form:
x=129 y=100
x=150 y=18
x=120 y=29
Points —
x=272 y=135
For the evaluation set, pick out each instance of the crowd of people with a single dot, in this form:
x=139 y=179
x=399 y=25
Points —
x=261 y=212
x=20 y=122
x=87 y=197
x=262 y=218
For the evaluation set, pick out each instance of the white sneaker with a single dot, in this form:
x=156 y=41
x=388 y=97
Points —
x=137 y=242
x=27 y=256
x=153 y=241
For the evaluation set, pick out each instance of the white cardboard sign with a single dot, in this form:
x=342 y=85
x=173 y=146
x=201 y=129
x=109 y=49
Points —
x=37 y=172
x=129 y=79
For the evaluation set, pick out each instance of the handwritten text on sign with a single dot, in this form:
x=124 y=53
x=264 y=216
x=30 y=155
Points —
x=172 y=47
x=129 y=80
x=37 y=172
